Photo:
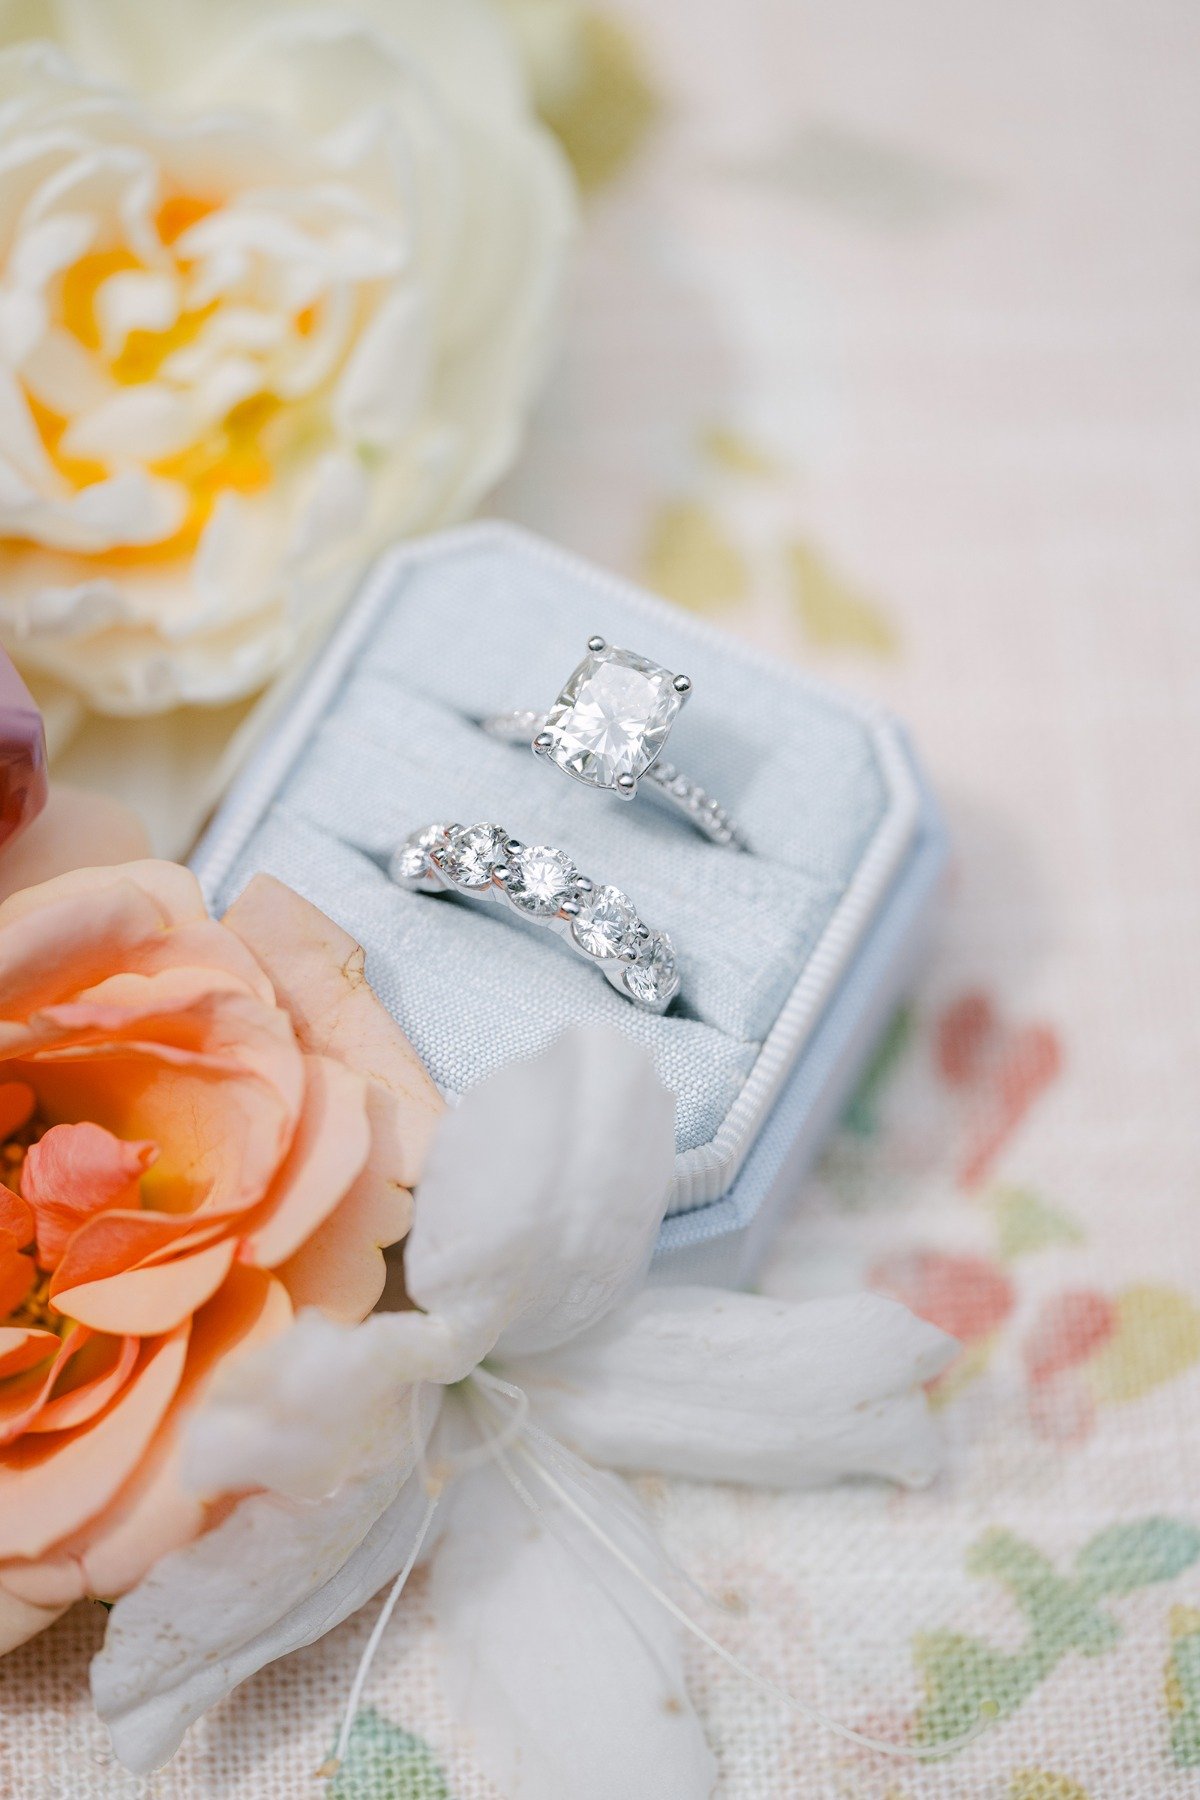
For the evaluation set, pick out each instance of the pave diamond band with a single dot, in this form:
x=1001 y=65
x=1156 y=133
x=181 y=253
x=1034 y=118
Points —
x=540 y=883
x=608 y=728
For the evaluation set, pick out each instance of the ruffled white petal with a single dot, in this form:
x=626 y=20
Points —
x=734 y=1387
x=372 y=282
x=564 y=1672
x=543 y=1194
x=321 y=1403
x=273 y=1576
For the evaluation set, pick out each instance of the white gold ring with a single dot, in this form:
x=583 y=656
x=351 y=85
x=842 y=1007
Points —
x=608 y=728
x=543 y=885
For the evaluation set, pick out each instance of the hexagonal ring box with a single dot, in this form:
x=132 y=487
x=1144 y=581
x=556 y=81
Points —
x=792 y=952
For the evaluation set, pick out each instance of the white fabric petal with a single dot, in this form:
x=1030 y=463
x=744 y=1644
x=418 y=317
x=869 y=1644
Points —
x=271 y=1577
x=543 y=1195
x=565 y=1673
x=734 y=1387
x=321 y=1403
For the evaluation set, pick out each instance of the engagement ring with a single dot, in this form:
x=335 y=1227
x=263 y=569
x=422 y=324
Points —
x=608 y=728
x=482 y=862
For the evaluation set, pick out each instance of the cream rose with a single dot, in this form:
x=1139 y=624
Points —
x=276 y=286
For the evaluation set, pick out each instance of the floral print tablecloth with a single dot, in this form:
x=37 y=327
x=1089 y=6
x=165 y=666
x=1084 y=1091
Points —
x=885 y=352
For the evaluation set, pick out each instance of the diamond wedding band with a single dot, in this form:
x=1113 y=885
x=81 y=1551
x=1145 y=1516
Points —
x=608 y=728
x=542 y=884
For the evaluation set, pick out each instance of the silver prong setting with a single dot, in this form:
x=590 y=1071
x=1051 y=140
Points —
x=609 y=729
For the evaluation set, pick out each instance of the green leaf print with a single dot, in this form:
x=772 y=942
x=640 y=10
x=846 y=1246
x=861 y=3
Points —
x=965 y=1677
x=383 y=1762
x=1183 y=1686
x=1126 y=1557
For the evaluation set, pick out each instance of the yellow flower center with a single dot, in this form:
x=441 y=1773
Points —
x=36 y=1312
x=231 y=457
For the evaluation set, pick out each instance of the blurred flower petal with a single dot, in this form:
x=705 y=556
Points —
x=566 y=1674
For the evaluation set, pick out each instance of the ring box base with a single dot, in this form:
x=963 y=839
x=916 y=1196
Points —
x=793 y=955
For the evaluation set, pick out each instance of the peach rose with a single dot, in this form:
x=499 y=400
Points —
x=204 y=1126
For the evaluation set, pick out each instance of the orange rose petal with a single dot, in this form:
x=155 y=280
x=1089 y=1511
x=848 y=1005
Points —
x=111 y=1242
x=249 y=1309
x=144 y=916
x=17 y=1101
x=49 y=1486
x=68 y=933
x=157 y=1513
x=16 y=1217
x=327 y=1154
x=205 y=944
x=317 y=970
x=23 y=1346
x=20 y=1621
x=22 y=1398
x=222 y=1131
x=17 y=1274
x=153 y=1512
x=148 y=1301
x=55 y=1580
x=341 y=1267
x=208 y=1014
x=75 y=1171
x=205 y=1011
x=172 y=891
x=62 y=1412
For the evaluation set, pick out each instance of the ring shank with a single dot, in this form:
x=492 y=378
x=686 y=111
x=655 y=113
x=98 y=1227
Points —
x=662 y=780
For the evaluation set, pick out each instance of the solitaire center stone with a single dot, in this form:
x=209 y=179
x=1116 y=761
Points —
x=612 y=718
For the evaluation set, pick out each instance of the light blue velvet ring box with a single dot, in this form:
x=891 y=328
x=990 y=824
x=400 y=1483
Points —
x=791 y=956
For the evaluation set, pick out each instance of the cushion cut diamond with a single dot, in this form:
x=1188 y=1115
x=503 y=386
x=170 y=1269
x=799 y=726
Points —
x=612 y=717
